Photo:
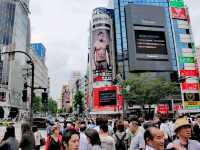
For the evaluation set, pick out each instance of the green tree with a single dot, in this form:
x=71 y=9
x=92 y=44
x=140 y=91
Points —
x=52 y=106
x=78 y=101
x=146 y=89
x=37 y=104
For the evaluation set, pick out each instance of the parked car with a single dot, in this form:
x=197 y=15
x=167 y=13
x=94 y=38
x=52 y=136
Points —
x=40 y=122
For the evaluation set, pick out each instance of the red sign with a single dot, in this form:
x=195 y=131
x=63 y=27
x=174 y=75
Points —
x=163 y=108
x=177 y=107
x=191 y=73
x=96 y=99
x=190 y=86
x=179 y=13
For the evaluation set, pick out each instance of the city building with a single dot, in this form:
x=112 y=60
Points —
x=103 y=95
x=65 y=98
x=155 y=36
x=41 y=79
x=127 y=61
x=14 y=35
x=76 y=75
x=40 y=50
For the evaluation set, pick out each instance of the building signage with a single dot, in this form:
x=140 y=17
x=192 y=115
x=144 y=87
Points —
x=191 y=101
x=185 y=73
x=163 y=108
x=187 y=52
x=176 y=3
x=179 y=13
x=182 y=24
x=185 y=38
x=190 y=86
x=189 y=66
x=186 y=59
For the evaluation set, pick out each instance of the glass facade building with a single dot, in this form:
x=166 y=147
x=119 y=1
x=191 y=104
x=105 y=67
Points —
x=14 y=36
x=121 y=32
x=39 y=49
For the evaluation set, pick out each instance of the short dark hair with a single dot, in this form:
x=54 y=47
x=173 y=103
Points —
x=68 y=134
x=148 y=134
x=120 y=126
x=104 y=127
x=93 y=135
x=34 y=129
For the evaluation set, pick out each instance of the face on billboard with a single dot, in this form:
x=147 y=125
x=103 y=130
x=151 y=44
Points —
x=101 y=49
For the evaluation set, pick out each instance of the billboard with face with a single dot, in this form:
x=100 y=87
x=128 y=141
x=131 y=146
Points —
x=101 y=49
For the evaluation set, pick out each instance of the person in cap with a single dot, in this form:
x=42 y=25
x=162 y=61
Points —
x=183 y=133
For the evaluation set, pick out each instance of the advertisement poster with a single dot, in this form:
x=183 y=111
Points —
x=190 y=86
x=185 y=73
x=101 y=49
x=179 y=13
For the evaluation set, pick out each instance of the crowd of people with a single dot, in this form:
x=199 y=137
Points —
x=102 y=134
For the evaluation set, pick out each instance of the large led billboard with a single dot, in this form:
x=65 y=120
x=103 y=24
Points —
x=107 y=98
x=148 y=41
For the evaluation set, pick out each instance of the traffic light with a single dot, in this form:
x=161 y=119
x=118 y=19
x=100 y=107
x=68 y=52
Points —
x=24 y=95
x=44 y=97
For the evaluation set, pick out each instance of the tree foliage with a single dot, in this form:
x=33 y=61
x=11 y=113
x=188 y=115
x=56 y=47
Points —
x=52 y=106
x=39 y=107
x=37 y=104
x=78 y=101
x=147 y=89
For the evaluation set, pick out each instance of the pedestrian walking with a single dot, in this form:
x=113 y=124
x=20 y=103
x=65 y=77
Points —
x=93 y=139
x=183 y=133
x=37 y=136
x=71 y=140
x=154 y=139
x=121 y=137
x=137 y=141
x=83 y=137
x=28 y=140
x=107 y=141
x=9 y=141
x=54 y=141
x=196 y=129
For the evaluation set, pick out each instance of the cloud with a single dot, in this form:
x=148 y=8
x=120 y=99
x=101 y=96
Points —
x=62 y=26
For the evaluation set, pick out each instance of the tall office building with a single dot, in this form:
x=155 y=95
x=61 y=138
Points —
x=138 y=60
x=40 y=50
x=156 y=36
x=14 y=35
x=103 y=95
x=41 y=78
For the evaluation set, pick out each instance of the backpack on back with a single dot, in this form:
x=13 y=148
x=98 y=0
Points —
x=120 y=145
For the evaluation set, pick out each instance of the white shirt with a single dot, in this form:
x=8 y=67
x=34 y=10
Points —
x=37 y=138
x=83 y=141
x=149 y=148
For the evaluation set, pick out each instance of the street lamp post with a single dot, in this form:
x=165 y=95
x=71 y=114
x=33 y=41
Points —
x=30 y=61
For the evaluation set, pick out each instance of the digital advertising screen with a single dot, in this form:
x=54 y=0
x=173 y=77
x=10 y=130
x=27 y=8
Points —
x=107 y=98
x=150 y=42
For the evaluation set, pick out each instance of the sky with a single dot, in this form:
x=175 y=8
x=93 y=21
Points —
x=63 y=27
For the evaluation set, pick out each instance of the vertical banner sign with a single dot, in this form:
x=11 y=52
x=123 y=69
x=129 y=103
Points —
x=186 y=55
x=179 y=13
